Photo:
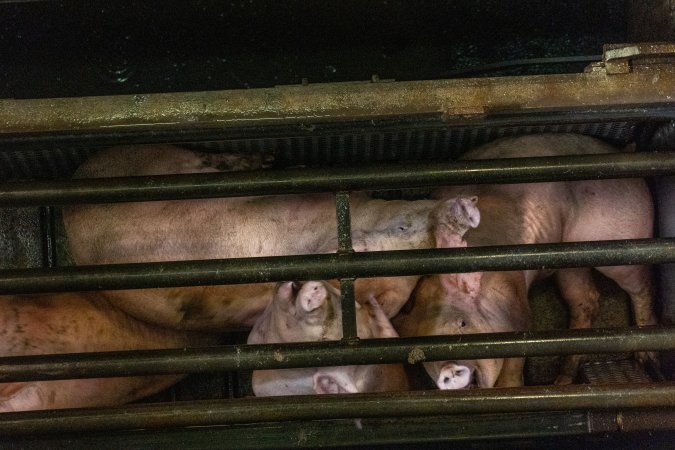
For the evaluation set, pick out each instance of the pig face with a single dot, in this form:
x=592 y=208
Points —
x=310 y=312
x=451 y=305
x=300 y=312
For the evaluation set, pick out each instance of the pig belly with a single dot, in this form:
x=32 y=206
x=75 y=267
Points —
x=74 y=323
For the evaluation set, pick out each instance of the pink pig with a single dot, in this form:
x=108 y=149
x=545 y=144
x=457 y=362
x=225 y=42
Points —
x=311 y=312
x=73 y=323
x=527 y=214
x=228 y=228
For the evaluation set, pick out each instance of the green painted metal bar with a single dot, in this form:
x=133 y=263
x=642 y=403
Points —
x=334 y=353
x=348 y=307
x=344 y=238
x=275 y=182
x=271 y=409
x=315 y=433
x=332 y=266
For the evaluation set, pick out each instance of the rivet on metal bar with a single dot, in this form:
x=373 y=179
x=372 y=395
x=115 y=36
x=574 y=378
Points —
x=344 y=235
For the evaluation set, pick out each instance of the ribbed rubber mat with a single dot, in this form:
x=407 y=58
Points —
x=347 y=148
x=614 y=371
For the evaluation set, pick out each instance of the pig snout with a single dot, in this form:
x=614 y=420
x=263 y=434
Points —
x=466 y=211
x=455 y=376
x=311 y=296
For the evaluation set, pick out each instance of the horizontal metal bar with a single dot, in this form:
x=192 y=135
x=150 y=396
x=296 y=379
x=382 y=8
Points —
x=342 y=265
x=334 y=353
x=303 y=105
x=399 y=404
x=319 y=434
x=274 y=182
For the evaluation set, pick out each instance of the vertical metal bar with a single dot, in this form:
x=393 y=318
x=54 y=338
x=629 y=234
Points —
x=348 y=309
x=344 y=224
x=47 y=236
x=344 y=235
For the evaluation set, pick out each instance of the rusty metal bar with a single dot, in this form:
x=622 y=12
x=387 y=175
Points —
x=334 y=353
x=275 y=182
x=331 y=266
x=271 y=409
x=338 y=101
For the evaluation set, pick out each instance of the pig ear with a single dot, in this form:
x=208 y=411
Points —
x=453 y=218
x=382 y=323
x=331 y=382
x=312 y=296
x=461 y=285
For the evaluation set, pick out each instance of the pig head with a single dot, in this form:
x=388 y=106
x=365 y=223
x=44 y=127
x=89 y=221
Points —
x=465 y=303
x=311 y=312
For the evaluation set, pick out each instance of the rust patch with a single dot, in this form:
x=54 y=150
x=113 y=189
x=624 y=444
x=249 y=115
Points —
x=416 y=355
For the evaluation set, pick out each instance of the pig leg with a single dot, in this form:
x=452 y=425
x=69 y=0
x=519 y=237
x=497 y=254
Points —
x=40 y=395
x=512 y=373
x=582 y=297
x=637 y=282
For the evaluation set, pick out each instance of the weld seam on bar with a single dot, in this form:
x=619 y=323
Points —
x=334 y=353
x=337 y=266
x=272 y=409
x=275 y=182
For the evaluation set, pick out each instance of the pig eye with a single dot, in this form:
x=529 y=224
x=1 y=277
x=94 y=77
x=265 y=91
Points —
x=402 y=228
x=462 y=323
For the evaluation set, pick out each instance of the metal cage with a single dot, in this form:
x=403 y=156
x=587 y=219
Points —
x=382 y=126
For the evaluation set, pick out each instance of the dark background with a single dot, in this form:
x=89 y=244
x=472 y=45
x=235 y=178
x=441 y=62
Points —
x=75 y=48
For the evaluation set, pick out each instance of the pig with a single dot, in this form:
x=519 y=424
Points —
x=531 y=214
x=227 y=228
x=310 y=311
x=73 y=323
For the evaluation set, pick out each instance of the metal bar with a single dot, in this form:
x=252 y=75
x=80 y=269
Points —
x=271 y=409
x=48 y=237
x=348 y=307
x=319 y=434
x=275 y=182
x=339 y=101
x=331 y=266
x=344 y=237
x=334 y=353
x=344 y=222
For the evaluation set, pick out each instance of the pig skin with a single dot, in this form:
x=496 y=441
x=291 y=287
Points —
x=73 y=323
x=227 y=228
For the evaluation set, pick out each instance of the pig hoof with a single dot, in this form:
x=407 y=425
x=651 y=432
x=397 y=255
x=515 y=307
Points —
x=564 y=380
x=648 y=359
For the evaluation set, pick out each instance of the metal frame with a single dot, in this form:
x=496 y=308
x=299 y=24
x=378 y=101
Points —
x=164 y=117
